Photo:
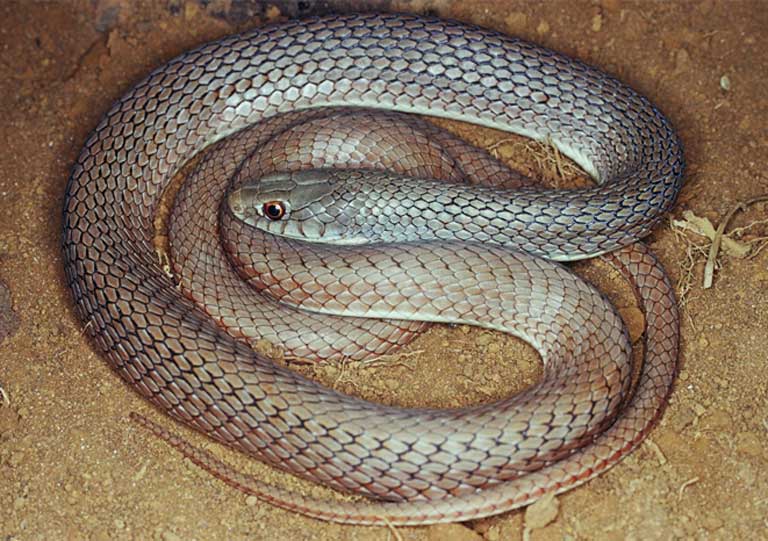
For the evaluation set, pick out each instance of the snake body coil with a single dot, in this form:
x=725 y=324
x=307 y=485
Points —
x=431 y=465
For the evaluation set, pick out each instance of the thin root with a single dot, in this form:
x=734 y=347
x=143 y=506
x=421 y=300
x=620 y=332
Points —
x=656 y=451
x=558 y=159
x=86 y=327
x=685 y=485
x=347 y=366
x=392 y=529
x=5 y=400
x=694 y=253
x=394 y=359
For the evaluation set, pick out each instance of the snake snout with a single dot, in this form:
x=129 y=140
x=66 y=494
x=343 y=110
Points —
x=313 y=205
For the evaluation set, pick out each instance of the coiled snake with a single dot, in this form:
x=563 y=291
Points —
x=170 y=341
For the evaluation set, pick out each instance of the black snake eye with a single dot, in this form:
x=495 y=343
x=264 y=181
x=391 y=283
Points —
x=274 y=210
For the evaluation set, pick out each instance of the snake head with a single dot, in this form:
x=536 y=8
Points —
x=310 y=205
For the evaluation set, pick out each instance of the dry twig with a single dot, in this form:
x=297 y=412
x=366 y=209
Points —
x=709 y=267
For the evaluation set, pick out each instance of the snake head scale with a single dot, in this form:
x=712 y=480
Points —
x=312 y=205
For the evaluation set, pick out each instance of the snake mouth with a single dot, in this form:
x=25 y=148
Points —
x=330 y=239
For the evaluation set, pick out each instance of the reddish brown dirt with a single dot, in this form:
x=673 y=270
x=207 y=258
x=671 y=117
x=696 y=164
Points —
x=73 y=467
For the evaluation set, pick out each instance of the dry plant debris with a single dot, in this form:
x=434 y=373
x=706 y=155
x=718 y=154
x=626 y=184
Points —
x=740 y=242
x=5 y=400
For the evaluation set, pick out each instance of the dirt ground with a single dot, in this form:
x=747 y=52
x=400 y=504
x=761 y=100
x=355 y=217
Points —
x=72 y=466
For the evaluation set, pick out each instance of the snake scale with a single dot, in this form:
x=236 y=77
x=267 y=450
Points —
x=173 y=344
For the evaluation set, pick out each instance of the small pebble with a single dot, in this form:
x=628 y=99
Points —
x=725 y=83
x=711 y=522
x=516 y=21
x=331 y=370
x=392 y=384
x=190 y=11
x=749 y=443
x=542 y=512
x=100 y=535
x=272 y=13
x=685 y=418
x=138 y=476
x=597 y=23
x=698 y=409
x=168 y=535
x=718 y=419
x=746 y=474
x=484 y=339
x=9 y=420
x=15 y=459
x=682 y=60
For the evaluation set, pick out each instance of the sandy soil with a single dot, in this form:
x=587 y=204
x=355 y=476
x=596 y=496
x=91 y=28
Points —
x=72 y=465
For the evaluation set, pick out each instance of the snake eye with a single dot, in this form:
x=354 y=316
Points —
x=274 y=210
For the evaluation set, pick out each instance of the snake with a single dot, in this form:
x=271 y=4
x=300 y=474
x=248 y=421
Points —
x=397 y=244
